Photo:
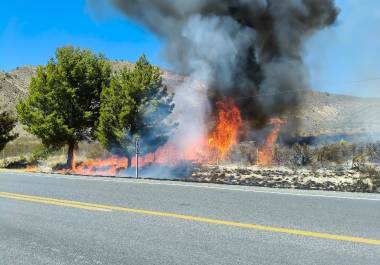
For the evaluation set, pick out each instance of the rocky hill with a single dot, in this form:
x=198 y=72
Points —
x=14 y=85
x=320 y=113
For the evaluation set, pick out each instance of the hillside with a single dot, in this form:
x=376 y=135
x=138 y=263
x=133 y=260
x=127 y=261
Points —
x=320 y=113
x=325 y=113
x=14 y=85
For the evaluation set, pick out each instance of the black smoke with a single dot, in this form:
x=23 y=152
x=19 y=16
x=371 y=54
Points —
x=248 y=49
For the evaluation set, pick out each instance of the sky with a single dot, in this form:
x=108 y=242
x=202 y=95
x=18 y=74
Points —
x=343 y=59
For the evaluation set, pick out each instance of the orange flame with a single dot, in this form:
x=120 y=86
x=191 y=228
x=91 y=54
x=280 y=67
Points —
x=225 y=134
x=103 y=167
x=74 y=165
x=30 y=168
x=265 y=153
x=210 y=150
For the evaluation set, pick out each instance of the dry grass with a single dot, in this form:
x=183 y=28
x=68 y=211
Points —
x=22 y=146
x=29 y=150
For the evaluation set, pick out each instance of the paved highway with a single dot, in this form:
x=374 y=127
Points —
x=58 y=219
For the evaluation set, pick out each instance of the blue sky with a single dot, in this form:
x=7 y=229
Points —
x=30 y=31
x=343 y=59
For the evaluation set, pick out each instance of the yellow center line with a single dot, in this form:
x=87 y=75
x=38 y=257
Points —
x=100 y=207
x=52 y=202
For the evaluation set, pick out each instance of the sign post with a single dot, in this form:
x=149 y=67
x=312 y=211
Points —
x=137 y=156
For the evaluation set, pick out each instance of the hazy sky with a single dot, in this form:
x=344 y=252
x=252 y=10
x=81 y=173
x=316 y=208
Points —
x=343 y=59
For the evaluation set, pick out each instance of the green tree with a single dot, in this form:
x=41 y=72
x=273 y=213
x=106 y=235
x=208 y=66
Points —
x=7 y=123
x=136 y=104
x=63 y=104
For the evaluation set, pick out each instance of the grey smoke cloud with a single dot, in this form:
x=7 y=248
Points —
x=248 y=49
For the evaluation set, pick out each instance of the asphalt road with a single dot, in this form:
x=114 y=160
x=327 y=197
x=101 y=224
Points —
x=44 y=220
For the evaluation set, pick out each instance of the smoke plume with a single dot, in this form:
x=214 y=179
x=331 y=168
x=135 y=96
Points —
x=248 y=49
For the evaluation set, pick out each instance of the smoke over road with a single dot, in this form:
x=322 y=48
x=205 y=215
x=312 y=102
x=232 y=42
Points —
x=250 y=50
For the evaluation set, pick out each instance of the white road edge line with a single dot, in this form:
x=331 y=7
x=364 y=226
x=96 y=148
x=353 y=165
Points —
x=198 y=185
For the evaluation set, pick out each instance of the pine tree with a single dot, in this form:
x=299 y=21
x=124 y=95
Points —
x=136 y=104
x=62 y=107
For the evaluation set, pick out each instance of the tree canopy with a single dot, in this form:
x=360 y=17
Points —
x=63 y=104
x=7 y=123
x=136 y=104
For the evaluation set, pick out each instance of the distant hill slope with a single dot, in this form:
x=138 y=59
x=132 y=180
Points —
x=325 y=113
x=320 y=113
x=14 y=85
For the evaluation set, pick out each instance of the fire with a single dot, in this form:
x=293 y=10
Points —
x=210 y=149
x=225 y=134
x=105 y=167
x=213 y=148
x=265 y=152
x=74 y=165
x=30 y=168
x=207 y=150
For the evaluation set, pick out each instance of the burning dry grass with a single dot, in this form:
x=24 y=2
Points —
x=265 y=152
x=339 y=167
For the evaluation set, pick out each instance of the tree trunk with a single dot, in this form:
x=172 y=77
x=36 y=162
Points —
x=70 y=156
x=129 y=161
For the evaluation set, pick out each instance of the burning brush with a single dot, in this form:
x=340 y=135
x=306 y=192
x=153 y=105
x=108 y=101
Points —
x=208 y=150
x=265 y=152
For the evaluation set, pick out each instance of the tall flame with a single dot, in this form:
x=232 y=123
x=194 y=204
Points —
x=225 y=134
x=265 y=153
x=209 y=150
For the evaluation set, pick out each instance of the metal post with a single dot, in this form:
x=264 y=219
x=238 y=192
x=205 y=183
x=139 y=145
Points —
x=257 y=156
x=137 y=156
